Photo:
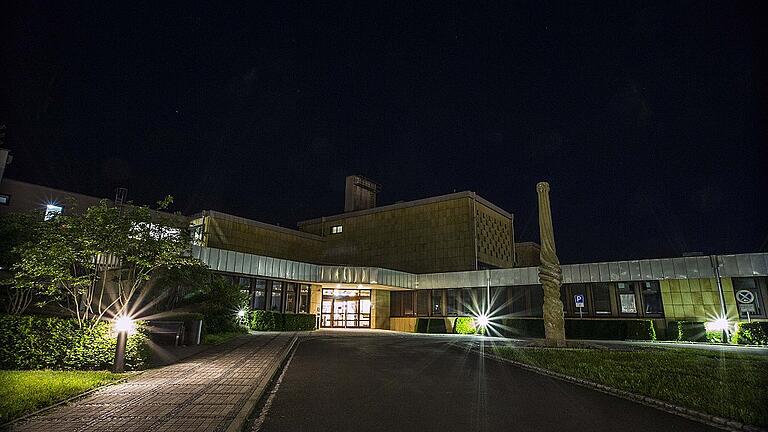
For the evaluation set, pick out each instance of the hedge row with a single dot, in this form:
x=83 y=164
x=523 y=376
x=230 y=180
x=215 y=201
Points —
x=33 y=342
x=275 y=321
x=574 y=329
x=754 y=333
x=431 y=325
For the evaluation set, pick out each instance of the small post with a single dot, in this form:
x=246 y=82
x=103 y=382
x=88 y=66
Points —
x=122 y=338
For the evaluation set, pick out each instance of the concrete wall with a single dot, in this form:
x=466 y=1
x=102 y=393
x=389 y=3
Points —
x=527 y=254
x=495 y=237
x=27 y=197
x=430 y=237
x=696 y=299
x=380 y=309
x=243 y=235
x=407 y=324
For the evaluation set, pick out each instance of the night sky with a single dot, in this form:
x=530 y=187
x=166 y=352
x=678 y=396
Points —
x=648 y=120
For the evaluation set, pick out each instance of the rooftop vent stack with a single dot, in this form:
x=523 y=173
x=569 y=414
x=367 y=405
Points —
x=121 y=194
x=360 y=193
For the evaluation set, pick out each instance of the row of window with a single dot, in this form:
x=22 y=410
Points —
x=272 y=295
x=585 y=300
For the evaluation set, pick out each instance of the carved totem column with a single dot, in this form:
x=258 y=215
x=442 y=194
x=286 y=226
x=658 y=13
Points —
x=550 y=274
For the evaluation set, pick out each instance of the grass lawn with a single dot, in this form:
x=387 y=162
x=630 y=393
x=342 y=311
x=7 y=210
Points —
x=730 y=385
x=22 y=392
x=217 y=338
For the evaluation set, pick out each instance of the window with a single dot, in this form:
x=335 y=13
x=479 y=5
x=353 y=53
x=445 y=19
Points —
x=276 y=304
x=337 y=229
x=652 y=298
x=601 y=298
x=290 y=297
x=52 y=210
x=518 y=300
x=537 y=300
x=437 y=303
x=564 y=298
x=304 y=299
x=408 y=303
x=499 y=302
x=245 y=286
x=422 y=302
x=5 y=199
x=627 y=302
x=259 y=288
x=467 y=308
x=395 y=304
x=452 y=301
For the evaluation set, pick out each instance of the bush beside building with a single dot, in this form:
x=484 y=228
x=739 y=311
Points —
x=34 y=342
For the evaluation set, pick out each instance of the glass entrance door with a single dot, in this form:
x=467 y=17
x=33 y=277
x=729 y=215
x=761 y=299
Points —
x=346 y=308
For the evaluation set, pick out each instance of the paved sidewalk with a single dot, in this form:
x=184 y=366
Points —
x=206 y=392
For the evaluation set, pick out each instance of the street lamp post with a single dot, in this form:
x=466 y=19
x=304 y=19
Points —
x=122 y=338
x=123 y=326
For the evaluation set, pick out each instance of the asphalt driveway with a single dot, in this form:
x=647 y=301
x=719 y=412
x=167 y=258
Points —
x=381 y=381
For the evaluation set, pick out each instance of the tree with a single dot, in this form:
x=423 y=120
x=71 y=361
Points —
x=101 y=261
x=16 y=231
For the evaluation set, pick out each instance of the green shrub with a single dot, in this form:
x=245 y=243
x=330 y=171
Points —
x=431 y=325
x=298 y=322
x=517 y=327
x=266 y=321
x=641 y=330
x=32 y=342
x=686 y=331
x=754 y=333
x=275 y=321
x=464 y=325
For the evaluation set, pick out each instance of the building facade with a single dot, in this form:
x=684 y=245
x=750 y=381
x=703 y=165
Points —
x=438 y=258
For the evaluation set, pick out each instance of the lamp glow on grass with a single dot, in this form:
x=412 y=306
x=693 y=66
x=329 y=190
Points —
x=22 y=392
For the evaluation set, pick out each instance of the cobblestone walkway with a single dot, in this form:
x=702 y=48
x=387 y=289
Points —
x=203 y=393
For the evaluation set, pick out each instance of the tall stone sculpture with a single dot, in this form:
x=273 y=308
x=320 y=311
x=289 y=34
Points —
x=550 y=274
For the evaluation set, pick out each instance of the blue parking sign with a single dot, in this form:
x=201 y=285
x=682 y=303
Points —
x=579 y=300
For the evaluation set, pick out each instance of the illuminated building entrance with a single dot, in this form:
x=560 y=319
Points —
x=346 y=308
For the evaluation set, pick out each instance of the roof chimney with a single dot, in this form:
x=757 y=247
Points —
x=359 y=193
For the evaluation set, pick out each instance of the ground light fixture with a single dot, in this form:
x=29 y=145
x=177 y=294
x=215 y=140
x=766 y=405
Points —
x=481 y=321
x=123 y=325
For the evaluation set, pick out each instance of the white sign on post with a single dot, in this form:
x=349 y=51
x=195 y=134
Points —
x=746 y=299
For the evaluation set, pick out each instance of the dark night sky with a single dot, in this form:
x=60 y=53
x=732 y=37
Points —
x=648 y=120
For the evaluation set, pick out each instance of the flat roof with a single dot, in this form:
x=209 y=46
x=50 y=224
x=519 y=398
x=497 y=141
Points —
x=233 y=218
x=407 y=204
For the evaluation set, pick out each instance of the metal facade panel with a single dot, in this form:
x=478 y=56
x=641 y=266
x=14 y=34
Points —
x=635 y=272
x=705 y=267
x=691 y=268
x=667 y=269
x=759 y=264
x=679 y=268
x=646 y=270
x=221 y=260
x=729 y=265
x=744 y=264
x=533 y=275
x=239 y=257
x=613 y=272
x=594 y=273
x=567 y=278
x=657 y=271
x=624 y=270
x=247 y=260
x=231 y=261
x=583 y=274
